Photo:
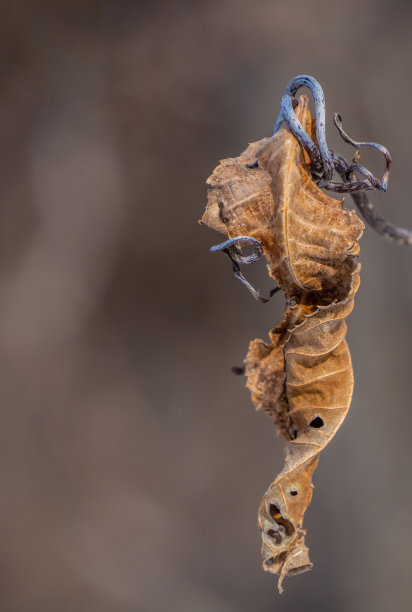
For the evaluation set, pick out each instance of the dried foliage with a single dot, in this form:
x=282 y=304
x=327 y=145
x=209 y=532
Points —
x=303 y=377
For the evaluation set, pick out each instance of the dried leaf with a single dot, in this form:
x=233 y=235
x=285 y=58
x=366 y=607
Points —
x=316 y=397
x=303 y=378
x=309 y=238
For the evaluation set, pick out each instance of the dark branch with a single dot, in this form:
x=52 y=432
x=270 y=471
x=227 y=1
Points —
x=230 y=247
x=371 y=181
x=323 y=161
x=312 y=84
x=400 y=235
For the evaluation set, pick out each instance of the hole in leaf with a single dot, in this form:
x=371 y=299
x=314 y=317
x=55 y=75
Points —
x=275 y=535
x=317 y=422
x=278 y=518
x=293 y=493
x=252 y=165
x=274 y=511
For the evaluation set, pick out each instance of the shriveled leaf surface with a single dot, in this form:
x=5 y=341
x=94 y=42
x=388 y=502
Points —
x=317 y=392
x=309 y=238
x=302 y=378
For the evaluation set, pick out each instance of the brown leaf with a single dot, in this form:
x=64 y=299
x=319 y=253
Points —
x=303 y=378
x=309 y=238
x=265 y=371
x=317 y=393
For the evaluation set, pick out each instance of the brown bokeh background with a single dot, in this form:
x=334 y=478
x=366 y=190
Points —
x=132 y=461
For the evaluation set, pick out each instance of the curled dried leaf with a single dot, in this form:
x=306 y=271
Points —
x=309 y=238
x=315 y=398
x=303 y=377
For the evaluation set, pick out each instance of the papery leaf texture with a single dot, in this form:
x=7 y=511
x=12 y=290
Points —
x=302 y=376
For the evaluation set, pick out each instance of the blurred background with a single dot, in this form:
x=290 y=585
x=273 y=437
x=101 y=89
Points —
x=132 y=460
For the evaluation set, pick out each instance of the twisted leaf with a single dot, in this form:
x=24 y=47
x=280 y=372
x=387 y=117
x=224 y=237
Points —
x=303 y=377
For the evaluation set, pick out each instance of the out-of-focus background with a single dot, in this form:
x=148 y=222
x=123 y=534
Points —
x=132 y=461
